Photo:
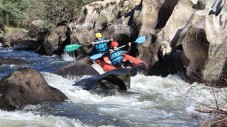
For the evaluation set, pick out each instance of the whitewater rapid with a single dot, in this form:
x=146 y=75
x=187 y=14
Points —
x=152 y=101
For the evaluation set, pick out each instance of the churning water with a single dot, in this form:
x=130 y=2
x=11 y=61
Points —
x=152 y=101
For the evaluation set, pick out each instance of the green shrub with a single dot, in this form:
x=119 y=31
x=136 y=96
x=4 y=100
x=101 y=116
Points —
x=20 y=13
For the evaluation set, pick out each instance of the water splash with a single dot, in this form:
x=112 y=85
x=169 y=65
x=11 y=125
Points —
x=28 y=119
x=68 y=56
x=152 y=98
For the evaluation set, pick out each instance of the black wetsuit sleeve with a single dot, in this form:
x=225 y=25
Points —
x=126 y=52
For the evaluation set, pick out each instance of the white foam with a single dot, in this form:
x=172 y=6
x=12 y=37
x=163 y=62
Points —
x=171 y=88
x=194 y=1
x=27 y=119
x=68 y=56
x=153 y=97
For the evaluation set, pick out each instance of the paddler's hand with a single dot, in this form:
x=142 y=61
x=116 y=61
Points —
x=111 y=39
x=92 y=43
x=111 y=50
x=129 y=44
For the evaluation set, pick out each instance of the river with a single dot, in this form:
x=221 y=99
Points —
x=152 y=101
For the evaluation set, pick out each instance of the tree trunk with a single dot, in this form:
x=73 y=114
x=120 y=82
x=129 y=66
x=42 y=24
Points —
x=18 y=23
x=7 y=18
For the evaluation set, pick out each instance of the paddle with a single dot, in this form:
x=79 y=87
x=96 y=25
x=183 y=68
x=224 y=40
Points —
x=139 y=40
x=72 y=47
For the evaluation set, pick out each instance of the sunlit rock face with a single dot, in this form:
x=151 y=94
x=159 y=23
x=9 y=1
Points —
x=215 y=27
x=182 y=13
x=154 y=15
x=108 y=17
x=206 y=51
x=200 y=27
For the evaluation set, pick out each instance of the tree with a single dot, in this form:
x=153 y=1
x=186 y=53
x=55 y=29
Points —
x=21 y=13
x=62 y=11
x=12 y=11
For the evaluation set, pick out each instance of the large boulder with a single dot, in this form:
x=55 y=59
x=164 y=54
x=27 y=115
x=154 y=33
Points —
x=26 y=86
x=216 y=33
x=15 y=38
x=56 y=41
x=201 y=33
x=177 y=21
x=203 y=39
x=38 y=29
x=77 y=69
x=195 y=47
x=120 y=30
x=148 y=52
x=153 y=15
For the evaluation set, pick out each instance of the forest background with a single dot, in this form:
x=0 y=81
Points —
x=20 y=13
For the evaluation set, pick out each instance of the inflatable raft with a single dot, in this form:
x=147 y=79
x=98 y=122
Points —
x=107 y=66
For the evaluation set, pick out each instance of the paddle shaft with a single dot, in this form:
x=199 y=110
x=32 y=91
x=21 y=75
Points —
x=121 y=47
x=117 y=48
x=96 y=56
x=71 y=47
x=97 y=42
x=102 y=41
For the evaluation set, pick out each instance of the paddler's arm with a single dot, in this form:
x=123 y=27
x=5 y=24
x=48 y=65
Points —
x=129 y=48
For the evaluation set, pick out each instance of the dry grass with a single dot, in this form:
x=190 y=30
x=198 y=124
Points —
x=216 y=106
x=11 y=30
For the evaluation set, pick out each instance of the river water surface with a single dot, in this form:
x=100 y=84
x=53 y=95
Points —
x=152 y=101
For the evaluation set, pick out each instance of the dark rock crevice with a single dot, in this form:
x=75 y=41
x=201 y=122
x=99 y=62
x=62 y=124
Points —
x=165 y=12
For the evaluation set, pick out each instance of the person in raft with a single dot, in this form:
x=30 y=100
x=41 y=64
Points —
x=116 y=55
x=99 y=45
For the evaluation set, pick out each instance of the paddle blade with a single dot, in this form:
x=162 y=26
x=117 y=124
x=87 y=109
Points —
x=141 y=39
x=72 y=47
x=96 y=56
